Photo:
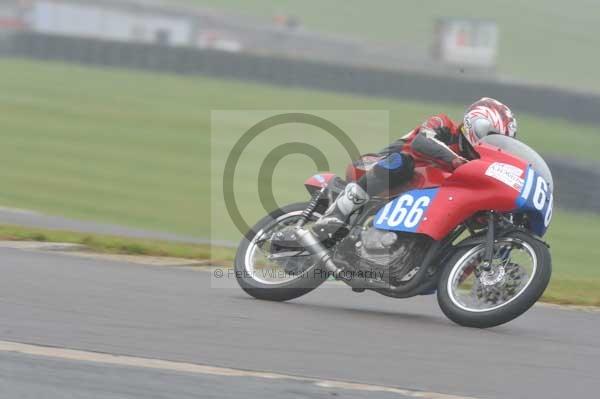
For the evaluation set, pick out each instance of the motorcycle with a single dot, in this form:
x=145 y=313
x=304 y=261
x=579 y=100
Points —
x=474 y=236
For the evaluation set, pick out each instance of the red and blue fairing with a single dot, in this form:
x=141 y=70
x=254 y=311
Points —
x=508 y=177
x=498 y=181
x=536 y=199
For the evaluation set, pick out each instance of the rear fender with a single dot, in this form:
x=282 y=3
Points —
x=319 y=181
x=333 y=184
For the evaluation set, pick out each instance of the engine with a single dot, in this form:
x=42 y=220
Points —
x=380 y=247
x=395 y=255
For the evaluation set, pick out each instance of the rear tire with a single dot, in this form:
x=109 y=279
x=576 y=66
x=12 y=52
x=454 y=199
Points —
x=305 y=283
x=512 y=309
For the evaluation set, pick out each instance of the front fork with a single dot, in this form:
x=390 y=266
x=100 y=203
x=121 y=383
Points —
x=489 y=242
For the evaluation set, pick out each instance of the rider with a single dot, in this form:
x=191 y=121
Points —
x=439 y=141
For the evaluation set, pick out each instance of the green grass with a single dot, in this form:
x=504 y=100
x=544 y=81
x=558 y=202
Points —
x=552 y=42
x=576 y=275
x=121 y=245
x=135 y=149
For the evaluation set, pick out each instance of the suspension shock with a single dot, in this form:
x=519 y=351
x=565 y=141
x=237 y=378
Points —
x=310 y=209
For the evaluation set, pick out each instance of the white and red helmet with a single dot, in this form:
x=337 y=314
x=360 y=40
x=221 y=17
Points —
x=488 y=116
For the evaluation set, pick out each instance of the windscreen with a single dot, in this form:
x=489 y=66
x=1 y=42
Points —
x=523 y=151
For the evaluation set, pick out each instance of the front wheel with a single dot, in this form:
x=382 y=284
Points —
x=473 y=296
x=276 y=273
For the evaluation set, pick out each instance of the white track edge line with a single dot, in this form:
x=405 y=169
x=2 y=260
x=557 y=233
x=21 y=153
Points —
x=167 y=365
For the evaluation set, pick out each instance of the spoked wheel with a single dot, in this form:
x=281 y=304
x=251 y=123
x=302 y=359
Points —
x=474 y=294
x=272 y=272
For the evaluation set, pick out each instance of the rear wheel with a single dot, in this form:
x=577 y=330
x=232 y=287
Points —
x=277 y=274
x=472 y=296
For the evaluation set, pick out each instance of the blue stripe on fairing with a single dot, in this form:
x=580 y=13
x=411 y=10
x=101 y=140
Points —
x=524 y=202
x=522 y=199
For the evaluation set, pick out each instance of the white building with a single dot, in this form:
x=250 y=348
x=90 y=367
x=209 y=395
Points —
x=106 y=19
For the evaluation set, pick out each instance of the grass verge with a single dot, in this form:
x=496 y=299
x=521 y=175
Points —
x=144 y=150
x=121 y=245
x=562 y=290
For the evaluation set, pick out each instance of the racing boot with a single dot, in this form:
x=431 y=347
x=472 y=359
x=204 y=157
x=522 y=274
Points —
x=334 y=223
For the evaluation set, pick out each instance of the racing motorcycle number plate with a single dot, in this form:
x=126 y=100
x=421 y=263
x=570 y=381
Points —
x=406 y=212
x=537 y=196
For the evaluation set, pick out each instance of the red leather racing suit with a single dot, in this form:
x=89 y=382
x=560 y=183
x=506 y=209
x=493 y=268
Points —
x=437 y=141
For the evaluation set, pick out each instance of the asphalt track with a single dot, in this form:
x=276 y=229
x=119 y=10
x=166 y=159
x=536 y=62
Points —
x=57 y=303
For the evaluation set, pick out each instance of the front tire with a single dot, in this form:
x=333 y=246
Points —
x=250 y=281
x=490 y=301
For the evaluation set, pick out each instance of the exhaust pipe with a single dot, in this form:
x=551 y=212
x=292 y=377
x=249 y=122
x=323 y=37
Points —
x=308 y=240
